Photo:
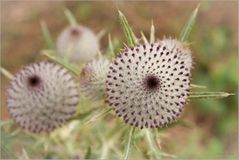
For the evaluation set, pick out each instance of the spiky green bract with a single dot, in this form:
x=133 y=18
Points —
x=188 y=27
x=129 y=34
x=46 y=35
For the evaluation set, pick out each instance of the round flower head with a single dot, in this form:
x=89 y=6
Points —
x=93 y=77
x=148 y=84
x=42 y=96
x=78 y=43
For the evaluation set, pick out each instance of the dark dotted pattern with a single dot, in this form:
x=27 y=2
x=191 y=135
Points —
x=75 y=32
x=42 y=96
x=148 y=85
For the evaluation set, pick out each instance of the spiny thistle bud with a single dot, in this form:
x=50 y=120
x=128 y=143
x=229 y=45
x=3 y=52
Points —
x=42 y=96
x=148 y=84
x=78 y=43
x=93 y=78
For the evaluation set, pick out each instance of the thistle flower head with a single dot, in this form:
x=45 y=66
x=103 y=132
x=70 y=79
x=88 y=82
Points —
x=78 y=43
x=42 y=96
x=148 y=84
x=93 y=77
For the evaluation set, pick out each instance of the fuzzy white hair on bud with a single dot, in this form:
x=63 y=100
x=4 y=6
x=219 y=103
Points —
x=93 y=78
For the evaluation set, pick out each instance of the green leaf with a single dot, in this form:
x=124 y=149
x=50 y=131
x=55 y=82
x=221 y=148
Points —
x=172 y=124
x=70 y=17
x=209 y=95
x=129 y=34
x=52 y=55
x=6 y=73
x=46 y=35
x=188 y=27
x=128 y=145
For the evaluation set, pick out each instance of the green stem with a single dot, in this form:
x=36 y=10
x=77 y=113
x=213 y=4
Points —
x=151 y=143
x=128 y=145
x=102 y=114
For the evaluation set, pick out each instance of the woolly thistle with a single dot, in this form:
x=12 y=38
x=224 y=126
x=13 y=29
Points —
x=78 y=43
x=93 y=77
x=42 y=96
x=148 y=84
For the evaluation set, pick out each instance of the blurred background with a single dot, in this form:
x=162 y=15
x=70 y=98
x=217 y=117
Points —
x=213 y=123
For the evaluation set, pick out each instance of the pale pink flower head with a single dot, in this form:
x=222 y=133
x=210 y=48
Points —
x=78 y=44
x=148 y=84
x=42 y=96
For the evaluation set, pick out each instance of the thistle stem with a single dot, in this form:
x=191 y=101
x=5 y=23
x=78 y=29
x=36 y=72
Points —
x=128 y=145
x=151 y=143
x=102 y=114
